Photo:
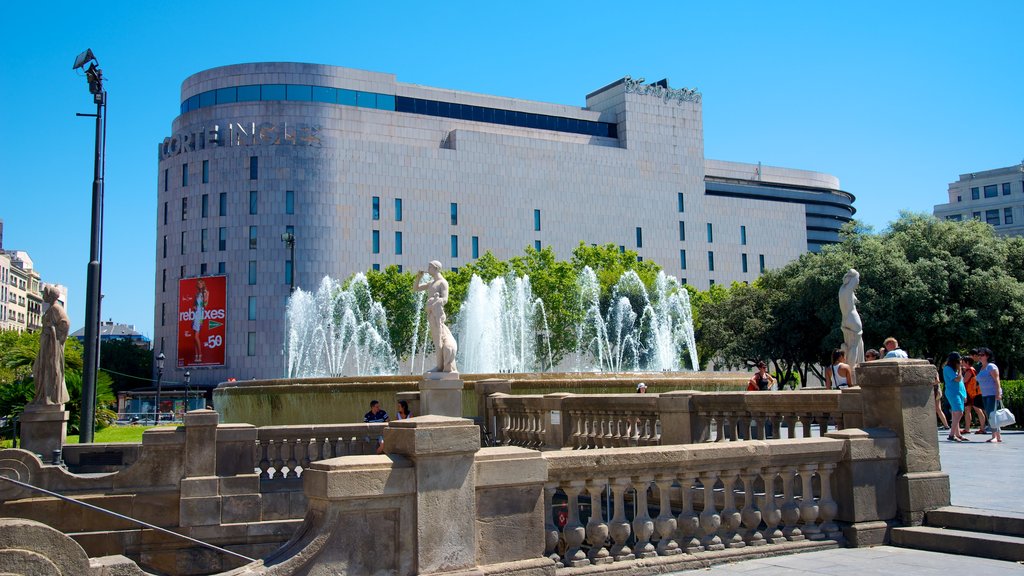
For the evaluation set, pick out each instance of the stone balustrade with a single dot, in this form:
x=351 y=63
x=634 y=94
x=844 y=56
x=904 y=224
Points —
x=556 y=421
x=285 y=451
x=673 y=500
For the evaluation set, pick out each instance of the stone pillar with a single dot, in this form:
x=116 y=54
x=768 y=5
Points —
x=483 y=390
x=865 y=484
x=679 y=422
x=441 y=394
x=442 y=451
x=200 y=503
x=898 y=395
x=44 y=428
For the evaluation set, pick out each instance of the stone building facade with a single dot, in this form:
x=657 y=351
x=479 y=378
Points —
x=993 y=196
x=367 y=172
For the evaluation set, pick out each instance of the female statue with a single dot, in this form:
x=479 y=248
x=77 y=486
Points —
x=48 y=370
x=437 y=297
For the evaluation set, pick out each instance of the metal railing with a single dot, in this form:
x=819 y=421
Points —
x=128 y=518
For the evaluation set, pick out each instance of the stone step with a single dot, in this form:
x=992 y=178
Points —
x=976 y=520
x=949 y=541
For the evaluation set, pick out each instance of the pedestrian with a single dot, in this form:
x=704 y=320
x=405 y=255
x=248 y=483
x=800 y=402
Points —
x=761 y=380
x=991 y=389
x=892 y=349
x=956 y=394
x=838 y=374
x=374 y=416
x=974 y=402
x=871 y=355
x=403 y=410
x=641 y=388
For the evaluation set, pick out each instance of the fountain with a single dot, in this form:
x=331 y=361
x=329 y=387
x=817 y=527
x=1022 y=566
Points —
x=616 y=341
x=338 y=331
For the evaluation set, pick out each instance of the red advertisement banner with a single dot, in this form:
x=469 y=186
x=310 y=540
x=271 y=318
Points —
x=202 y=320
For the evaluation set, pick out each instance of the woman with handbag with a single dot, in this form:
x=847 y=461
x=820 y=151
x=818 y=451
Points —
x=991 y=390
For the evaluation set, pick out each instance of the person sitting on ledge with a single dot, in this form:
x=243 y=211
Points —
x=761 y=380
x=892 y=349
x=376 y=415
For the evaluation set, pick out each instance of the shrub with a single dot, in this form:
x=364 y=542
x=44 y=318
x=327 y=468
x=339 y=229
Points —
x=1013 y=398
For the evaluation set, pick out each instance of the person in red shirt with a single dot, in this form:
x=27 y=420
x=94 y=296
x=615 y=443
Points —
x=973 y=403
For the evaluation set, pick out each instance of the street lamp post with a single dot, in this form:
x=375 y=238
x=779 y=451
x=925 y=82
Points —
x=159 y=381
x=188 y=378
x=94 y=76
x=289 y=240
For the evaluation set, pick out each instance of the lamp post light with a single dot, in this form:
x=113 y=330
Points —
x=159 y=381
x=188 y=378
x=289 y=240
x=94 y=76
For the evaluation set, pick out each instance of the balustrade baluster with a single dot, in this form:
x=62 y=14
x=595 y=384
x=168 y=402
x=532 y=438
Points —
x=302 y=454
x=574 y=532
x=288 y=456
x=743 y=426
x=643 y=525
x=788 y=420
x=828 y=507
x=807 y=423
x=730 y=516
x=719 y=426
x=550 y=528
x=264 y=460
x=823 y=419
x=790 y=509
x=597 y=529
x=578 y=429
x=770 y=512
x=274 y=454
x=542 y=428
x=808 y=507
x=506 y=424
x=750 y=513
x=688 y=520
x=655 y=438
x=710 y=520
x=618 y=527
x=757 y=425
x=665 y=523
x=312 y=452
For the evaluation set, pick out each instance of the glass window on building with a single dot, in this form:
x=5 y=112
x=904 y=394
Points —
x=743 y=238
x=992 y=217
x=398 y=209
x=222 y=267
x=475 y=246
x=289 y=202
x=760 y=262
x=711 y=261
x=252 y=237
x=184 y=174
x=743 y=262
x=250 y=344
x=165 y=179
x=375 y=211
x=181 y=272
x=1006 y=188
x=184 y=208
x=1008 y=215
x=711 y=233
x=252 y=272
x=639 y=237
x=165 y=213
x=206 y=171
x=376 y=242
x=536 y=245
x=223 y=201
x=954 y=218
x=163 y=281
x=975 y=193
x=991 y=191
x=376 y=267
x=536 y=220
x=203 y=238
x=976 y=215
x=682 y=260
x=165 y=246
x=455 y=214
x=288 y=271
x=682 y=231
x=182 y=241
x=163 y=313
x=455 y=246
x=202 y=269
x=252 y=307
x=222 y=239
x=679 y=201
x=254 y=201
x=204 y=206
x=254 y=167
x=398 y=243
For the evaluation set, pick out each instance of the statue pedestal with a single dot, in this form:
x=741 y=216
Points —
x=44 y=428
x=441 y=394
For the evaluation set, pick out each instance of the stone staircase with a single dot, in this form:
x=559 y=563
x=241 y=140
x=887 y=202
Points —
x=969 y=531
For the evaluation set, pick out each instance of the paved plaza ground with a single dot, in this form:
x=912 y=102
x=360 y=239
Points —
x=974 y=483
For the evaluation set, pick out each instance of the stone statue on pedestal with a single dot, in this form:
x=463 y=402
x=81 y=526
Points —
x=437 y=296
x=48 y=370
x=853 y=329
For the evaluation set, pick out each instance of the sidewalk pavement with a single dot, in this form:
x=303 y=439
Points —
x=981 y=475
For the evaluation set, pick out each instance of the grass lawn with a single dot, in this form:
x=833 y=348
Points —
x=108 y=434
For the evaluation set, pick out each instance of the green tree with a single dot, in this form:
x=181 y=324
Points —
x=129 y=366
x=393 y=289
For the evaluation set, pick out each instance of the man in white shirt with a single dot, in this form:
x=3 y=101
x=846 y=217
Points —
x=892 y=348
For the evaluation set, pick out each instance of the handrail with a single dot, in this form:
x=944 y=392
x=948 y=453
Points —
x=128 y=518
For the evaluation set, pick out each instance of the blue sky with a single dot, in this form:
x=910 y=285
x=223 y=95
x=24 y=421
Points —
x=895 y=98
